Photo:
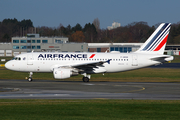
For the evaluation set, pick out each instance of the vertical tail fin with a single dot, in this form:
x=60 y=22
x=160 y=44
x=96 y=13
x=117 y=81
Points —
x=156 y=43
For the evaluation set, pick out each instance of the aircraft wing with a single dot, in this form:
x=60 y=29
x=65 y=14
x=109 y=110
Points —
x=92 y=66
x=88 y=66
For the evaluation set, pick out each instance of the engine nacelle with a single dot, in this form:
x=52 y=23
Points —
x=62 y=73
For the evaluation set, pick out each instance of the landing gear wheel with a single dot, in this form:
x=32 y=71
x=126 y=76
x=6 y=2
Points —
x=30 y=79
x=30 y=76
x=85 y=79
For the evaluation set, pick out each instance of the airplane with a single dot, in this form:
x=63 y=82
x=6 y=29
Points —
x=64 y=65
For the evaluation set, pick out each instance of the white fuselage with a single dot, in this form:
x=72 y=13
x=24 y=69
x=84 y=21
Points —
x=45 y=62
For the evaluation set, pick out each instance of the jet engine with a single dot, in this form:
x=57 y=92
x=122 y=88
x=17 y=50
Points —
x=63 y=73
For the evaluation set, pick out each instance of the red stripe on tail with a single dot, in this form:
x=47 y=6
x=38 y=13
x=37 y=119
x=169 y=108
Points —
x=161 y=44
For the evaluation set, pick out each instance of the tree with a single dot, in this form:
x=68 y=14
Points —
x=90 y=32
x=7 y=38
x=77 y=28
x=78 y=36
x=177 y=39
x=96 y=23
x=69 y=30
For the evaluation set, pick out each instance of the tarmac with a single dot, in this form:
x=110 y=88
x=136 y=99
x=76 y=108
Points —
x=54 y=89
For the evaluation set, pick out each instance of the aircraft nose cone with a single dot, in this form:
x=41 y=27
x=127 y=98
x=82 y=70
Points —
x=7 y=65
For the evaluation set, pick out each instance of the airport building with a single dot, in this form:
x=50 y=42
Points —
x=108 y=47
x=33 y=42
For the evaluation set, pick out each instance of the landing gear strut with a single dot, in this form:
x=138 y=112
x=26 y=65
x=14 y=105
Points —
x=30 y=77
x=86 y=77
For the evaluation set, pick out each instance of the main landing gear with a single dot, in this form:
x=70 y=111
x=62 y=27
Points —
x=30 y=76
x=86 y=77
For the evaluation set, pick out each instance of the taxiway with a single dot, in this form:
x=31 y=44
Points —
x=50 y=89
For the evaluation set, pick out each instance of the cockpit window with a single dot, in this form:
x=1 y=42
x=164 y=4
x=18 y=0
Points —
x=16 y=58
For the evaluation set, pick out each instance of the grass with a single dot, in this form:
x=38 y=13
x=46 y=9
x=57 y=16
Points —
x=176 y=59
x=140 y=75
x=89 y=109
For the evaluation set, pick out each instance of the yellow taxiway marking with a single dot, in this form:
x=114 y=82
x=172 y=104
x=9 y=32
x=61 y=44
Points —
x=2 y=65
x=141 y=88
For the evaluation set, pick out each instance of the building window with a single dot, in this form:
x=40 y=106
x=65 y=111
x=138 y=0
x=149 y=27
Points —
x=28 y=41
x=38 y=41
x=125 y=49
x=116 y=48
x=23 y=47
x=33 y=41
x=58 y=41
x=15 y=41
x=121 y=49
x=98 y=49
x=15 y=47
x=33 y=47
x=23 y=41
x=44 y=41
x=38 y=47
x=112 y=49
x=129 y=49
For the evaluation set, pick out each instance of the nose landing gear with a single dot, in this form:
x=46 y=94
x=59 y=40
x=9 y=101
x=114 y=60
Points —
x=30 y=76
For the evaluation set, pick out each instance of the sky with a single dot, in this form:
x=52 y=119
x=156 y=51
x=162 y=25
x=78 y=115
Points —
x=52 y=13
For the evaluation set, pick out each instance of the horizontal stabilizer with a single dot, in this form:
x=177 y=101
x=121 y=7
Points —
x=163 y=58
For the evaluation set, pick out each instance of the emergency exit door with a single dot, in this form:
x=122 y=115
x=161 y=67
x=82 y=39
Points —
x=134 y=60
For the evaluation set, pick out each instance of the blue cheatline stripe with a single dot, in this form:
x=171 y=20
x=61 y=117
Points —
x=159 y=39
x=154 y=38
